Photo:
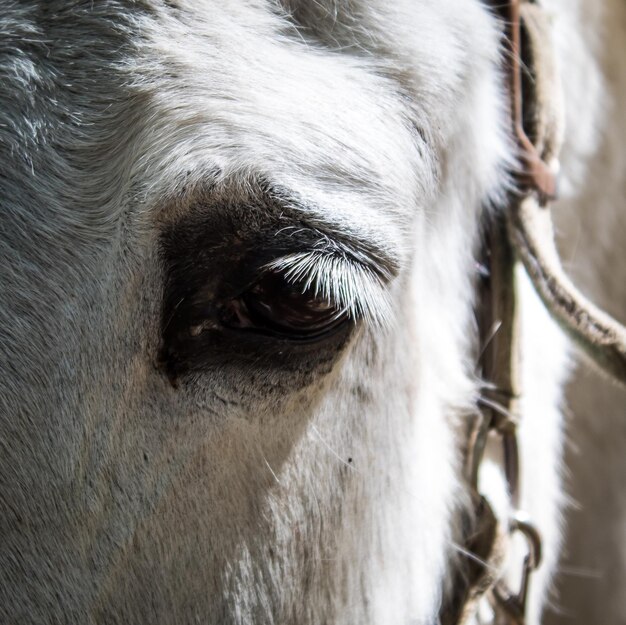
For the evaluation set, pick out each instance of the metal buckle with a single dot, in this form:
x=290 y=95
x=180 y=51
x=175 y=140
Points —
x=514 y=604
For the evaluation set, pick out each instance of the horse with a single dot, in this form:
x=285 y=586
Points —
x=240 y=246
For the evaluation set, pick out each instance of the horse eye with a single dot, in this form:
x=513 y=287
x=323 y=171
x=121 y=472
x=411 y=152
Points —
x=276 y=307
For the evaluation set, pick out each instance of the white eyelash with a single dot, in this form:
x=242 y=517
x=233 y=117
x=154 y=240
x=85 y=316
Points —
x=347 y=283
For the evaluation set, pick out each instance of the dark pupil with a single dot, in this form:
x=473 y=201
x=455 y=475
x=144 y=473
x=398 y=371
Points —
x=275 y=306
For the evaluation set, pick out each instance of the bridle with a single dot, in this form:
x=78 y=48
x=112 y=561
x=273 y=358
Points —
x=521 y=231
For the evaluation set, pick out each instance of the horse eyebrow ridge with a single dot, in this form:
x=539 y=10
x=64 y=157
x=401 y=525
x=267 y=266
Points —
x=338 y=263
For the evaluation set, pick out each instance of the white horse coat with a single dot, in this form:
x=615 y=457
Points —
x=153 y=155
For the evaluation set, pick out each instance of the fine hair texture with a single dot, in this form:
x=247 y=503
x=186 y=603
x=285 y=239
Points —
x=157 y=157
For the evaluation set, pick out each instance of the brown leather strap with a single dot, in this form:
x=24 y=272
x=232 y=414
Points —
x=537 y=123
x=485 y=537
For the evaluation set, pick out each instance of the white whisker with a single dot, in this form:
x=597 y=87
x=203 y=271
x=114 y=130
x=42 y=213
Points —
x=472 y=556
x=271 y=470
x=332 y=451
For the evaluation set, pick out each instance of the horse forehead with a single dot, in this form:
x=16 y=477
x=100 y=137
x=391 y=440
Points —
x=235 y=93
x=335 y=102
x=346 y=115
x=264 y=86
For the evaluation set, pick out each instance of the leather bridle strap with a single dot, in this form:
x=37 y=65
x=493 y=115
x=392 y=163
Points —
x=537 y=124
x=521 y=231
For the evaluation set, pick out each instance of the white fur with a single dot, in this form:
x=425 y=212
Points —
x=328 y=494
